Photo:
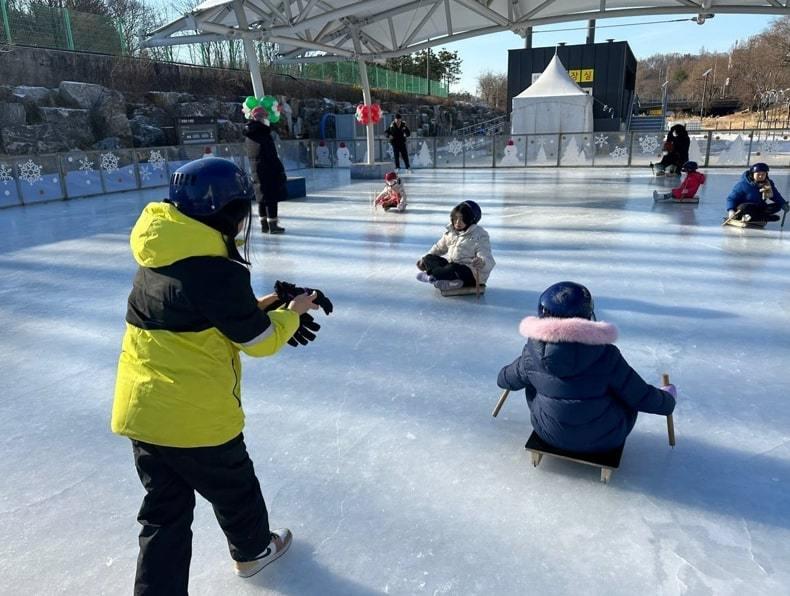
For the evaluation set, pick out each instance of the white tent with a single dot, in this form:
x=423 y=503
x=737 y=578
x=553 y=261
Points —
x=553 y=103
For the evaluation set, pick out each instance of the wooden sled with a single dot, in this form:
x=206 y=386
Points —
x=737 y=223
x=607 y=461
x=465 y=291
x=660 y=198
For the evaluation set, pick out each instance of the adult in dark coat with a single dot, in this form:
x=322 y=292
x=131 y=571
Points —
x=677 y=148
x=582 y=394
x=268 y=173
x=755 y=196
x=398 y=132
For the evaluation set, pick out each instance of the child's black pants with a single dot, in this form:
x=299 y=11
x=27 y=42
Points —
x=441 y=268
x=224 y=476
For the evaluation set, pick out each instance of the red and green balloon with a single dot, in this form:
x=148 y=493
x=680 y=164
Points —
x=267 y=102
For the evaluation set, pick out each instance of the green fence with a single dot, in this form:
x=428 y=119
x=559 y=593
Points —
x=47 y=27
x=347 y=73
x=43 y=26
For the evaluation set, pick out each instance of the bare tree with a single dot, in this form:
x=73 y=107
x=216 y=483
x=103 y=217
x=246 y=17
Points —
x=492 y=88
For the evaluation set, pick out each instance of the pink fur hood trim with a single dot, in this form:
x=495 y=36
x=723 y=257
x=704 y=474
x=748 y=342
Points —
x=581 y=331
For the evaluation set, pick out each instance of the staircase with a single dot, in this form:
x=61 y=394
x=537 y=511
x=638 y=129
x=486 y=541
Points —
x=494 y=126
x=647 y=123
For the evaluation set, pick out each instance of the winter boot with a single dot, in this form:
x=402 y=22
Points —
x=448 y=284
x=772 y=218
x=425 y=278
x=273 y=227
x=264 y=226
x=746 y=217
x=660 y=196
x=280 y=541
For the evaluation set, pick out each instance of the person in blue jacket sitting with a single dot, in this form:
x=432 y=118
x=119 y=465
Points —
x=582 y=394
x=755 y=197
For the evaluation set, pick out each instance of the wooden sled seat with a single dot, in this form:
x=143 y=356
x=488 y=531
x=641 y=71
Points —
x=737 y=223
x=607 y=461
x=465 y=291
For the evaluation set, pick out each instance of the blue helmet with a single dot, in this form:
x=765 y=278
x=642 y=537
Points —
x=565 y=300
x=759 y=167
x=204 y=186
x=690 y=166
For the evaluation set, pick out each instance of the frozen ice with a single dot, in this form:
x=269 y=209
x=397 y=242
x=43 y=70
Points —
x=376 y=444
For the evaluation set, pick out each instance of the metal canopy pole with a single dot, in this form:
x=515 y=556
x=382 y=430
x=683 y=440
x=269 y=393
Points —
x=249 y=51
x=363 y=75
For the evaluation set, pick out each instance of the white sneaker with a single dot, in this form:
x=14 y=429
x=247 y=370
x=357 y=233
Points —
x=281 y=540
x=746 y=217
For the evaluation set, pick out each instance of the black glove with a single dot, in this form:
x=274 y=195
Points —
x=306 y=331
x=287 y=292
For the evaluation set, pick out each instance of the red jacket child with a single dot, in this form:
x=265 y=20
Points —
x=691 y=183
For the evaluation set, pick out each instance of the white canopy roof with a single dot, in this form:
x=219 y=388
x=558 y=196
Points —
x=380 y=29
x=553 y=82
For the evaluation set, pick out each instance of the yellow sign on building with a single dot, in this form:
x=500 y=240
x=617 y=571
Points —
x=576 y=75
x=588 y=75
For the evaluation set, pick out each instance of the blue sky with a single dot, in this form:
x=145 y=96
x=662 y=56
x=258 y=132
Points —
x=489 y=53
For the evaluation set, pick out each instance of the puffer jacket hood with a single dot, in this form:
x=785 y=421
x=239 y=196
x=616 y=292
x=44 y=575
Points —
x=163 y=235
x=567 y=347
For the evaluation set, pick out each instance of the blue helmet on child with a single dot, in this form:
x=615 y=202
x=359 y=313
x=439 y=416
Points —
x=565 y=300
x=689 y=166
x=759 y=167
x=204 y=186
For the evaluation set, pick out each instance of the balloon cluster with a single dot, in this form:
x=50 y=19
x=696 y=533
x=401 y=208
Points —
x=368 y=114
x=267 y=102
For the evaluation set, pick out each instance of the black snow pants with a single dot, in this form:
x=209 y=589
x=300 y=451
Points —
x=440 y=268
x=225 y=477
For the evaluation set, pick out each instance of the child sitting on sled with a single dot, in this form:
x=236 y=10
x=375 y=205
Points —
x=687 y=191
x=462 y=256
x=755 y=197
x=394 y=195
x=582 y=395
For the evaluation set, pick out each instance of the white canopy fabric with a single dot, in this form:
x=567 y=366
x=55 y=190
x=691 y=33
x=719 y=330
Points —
x=379 y=29
x=553 y=103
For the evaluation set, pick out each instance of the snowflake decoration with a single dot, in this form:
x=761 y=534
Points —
x=601 y=140
x=145 y=174
x=86 y=165
x=390 y=152
x=619 y=153
x=455 y=147
x=770 y=147
x=5 y=174
x=648 y=144
x=469 y=144
x=30 y=172
x=157 y=160
x=109 y=162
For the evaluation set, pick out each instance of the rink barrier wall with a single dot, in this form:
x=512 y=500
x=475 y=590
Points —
x=39 y=178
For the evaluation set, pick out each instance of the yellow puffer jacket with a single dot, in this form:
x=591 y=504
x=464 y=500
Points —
x=190 y=312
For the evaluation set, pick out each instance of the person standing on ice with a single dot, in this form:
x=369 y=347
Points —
x=462 y=256
x=394 y=195
x=398 y=132
x=178 y=387
x=582 y=395
x=268 y=172
x=688 y=188
x=755 y=197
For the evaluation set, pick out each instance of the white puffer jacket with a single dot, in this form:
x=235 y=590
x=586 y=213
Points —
x=462 y=247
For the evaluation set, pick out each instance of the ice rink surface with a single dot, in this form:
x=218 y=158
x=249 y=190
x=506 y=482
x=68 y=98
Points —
x=376 y=444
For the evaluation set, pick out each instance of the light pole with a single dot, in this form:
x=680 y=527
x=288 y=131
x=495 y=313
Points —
x=704 y=91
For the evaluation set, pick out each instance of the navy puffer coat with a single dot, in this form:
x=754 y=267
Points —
x=582 y=394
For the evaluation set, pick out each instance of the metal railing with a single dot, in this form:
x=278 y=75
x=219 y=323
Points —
x=496 y=125
x=31 y=179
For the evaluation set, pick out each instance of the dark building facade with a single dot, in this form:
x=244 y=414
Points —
x=607 y=69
